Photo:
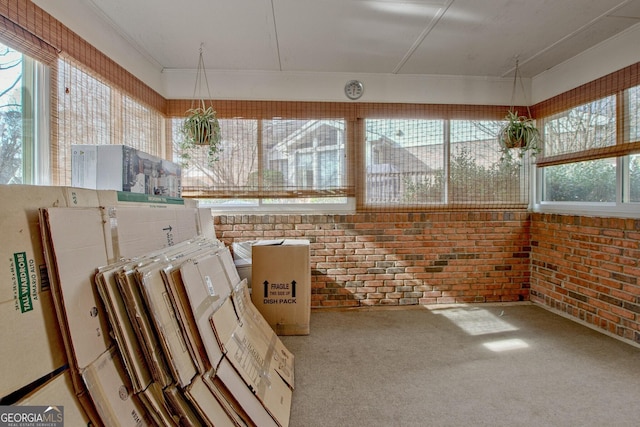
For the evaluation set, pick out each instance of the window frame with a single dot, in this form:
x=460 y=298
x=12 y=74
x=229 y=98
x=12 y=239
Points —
x=35 y=111
x=621 y=151
x=354 y=114
x=261 y=199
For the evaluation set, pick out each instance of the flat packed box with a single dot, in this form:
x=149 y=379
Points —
x=79 y=240
x=111 y=393
x=32 y=344
x=123 y=168
x=281 y=284
x=58 y=396
x=257 y=356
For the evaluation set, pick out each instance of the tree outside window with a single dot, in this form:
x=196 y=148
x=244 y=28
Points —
x=11 y=141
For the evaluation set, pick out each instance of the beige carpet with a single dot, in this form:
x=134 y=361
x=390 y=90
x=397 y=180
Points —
x=481 y=365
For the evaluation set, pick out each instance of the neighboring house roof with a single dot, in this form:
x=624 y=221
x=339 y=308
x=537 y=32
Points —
x=300 y=136
x=399 y=159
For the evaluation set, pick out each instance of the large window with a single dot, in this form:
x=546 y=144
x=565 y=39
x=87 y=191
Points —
x=588 y=181
x=443 y=163
x=589 y=163
x=268 y=162
x=404 y=163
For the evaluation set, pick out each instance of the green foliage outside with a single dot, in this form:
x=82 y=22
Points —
x=469 y=182
x=10 y=147
x=592 y=181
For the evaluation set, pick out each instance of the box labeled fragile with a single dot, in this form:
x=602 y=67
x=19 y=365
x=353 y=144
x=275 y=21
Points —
x=281 y=284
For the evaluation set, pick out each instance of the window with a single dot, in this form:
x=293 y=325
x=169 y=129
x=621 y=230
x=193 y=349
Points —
x=585 y=127
x=20 y=106
x=91 y=111
x=441 y=163
x=479 y=171
x=588 y=163
x=269 y=162
x=633 y=184
x=588 y=181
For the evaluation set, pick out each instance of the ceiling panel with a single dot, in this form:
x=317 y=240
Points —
x=349 y=35
x=483 y=38
x=237 y=34
x=410 y=37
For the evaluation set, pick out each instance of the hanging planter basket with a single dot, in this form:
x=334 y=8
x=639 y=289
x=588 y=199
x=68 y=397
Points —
x=200 y=127
x=519 y=132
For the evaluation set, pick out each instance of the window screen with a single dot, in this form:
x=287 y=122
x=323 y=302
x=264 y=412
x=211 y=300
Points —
x=91 y=111
x=443 y=163
x=268 y=159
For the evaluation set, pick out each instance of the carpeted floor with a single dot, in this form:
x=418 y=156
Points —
x=480 y=365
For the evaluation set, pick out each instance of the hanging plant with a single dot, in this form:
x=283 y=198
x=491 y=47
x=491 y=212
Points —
x=200 y=127
x=519 y=132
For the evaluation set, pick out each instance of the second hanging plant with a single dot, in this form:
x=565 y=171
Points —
x=519 y=132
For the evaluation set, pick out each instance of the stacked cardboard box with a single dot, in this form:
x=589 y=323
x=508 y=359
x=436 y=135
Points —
x=125 y=293
x=33 y=344
x=223 y=359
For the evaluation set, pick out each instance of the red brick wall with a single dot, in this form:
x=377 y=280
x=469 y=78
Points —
x=587 y=268
x=402 y=258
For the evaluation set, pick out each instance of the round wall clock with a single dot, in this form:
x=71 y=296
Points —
x=354 y=89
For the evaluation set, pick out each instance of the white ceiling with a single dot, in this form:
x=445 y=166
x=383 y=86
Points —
x=481 y=38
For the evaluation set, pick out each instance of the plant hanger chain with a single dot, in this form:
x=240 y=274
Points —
x=200 y=72
x=513 y=91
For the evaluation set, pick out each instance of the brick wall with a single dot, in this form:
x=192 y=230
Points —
x=587 y=268
x=402 y=258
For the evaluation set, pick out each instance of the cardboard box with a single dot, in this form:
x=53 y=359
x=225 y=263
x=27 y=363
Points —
x=157 y=406
x=207 y=405
x=143 y=327
x=58 y=391
x=122 y=168
x=201 y=288
x=170 y=334
x=111 y=393
x=32 y=344
x=83 y=239
x=260 y=332
x=183 y=412
x=121 y=327
x=281 y=290
x=257 y=355
x=132 y=231
x=76 y=248
x=228 y=379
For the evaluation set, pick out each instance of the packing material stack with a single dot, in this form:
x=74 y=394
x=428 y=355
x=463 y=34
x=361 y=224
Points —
x=133 y=311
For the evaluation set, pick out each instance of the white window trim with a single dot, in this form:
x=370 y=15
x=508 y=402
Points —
x=611 y=209
x=42 y=131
